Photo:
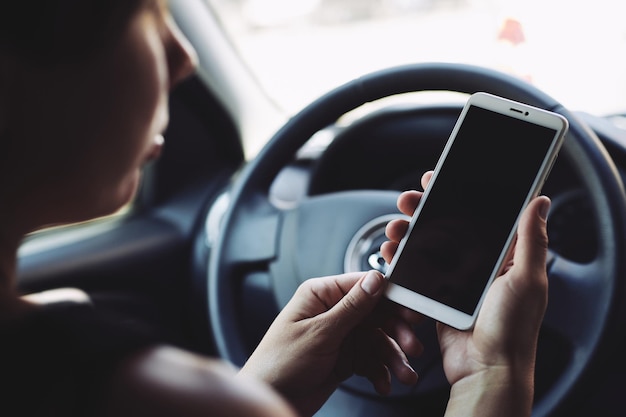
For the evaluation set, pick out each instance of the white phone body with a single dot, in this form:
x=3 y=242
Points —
x=495 y=162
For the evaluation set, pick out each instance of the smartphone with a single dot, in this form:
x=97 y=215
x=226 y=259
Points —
x=496 y=160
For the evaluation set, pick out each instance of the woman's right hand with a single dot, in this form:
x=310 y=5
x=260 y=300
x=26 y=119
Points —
x=491 y=366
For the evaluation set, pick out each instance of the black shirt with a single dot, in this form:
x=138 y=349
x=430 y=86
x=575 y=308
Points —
x=54 y=360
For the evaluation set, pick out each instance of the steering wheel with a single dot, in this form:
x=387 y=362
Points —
x=264 y=252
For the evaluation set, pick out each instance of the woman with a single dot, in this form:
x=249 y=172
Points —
x=83 y=102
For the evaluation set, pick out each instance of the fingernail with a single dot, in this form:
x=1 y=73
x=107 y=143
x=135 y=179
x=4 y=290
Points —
x=544 y=209
x=372 y=283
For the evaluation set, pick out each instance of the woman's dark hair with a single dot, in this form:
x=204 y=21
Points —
x=49 y=31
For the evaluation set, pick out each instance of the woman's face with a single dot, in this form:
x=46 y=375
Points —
x=83 y=131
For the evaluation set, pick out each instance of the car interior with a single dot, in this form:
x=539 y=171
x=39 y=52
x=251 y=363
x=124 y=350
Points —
x=222 y=233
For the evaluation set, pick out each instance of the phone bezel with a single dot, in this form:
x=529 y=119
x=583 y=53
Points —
x=428 y=306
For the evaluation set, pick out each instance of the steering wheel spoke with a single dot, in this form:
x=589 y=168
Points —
x=253 y=238
x=574 y=291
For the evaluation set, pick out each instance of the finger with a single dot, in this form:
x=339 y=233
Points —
x=398 y=322
x=426 y=178
x=388 y=249
x=408 y=200
x=358 y=303
x=319 y=295
x=383 y=358
x=363 y=361
x=347 y=362
x=380 y=377
x=404 y=336
x=394 y=358
x=396 y=229
x=532 y=244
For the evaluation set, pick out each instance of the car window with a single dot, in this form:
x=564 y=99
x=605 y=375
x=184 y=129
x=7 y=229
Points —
x=573 y=50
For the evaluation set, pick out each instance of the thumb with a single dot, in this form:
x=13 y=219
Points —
x=532 y=240
x=358 y=302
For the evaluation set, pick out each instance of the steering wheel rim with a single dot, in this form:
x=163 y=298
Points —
x=250 y=209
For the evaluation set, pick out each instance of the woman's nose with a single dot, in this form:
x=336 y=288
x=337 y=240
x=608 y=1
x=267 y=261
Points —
x=181 y=56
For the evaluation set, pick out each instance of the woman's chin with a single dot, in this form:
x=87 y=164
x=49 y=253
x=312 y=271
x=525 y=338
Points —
x=127 y=192
x=117 y=199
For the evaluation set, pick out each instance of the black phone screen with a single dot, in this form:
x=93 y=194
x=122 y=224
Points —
x=472 y=207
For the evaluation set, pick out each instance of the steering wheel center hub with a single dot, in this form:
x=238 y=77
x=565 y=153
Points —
x=363 y=251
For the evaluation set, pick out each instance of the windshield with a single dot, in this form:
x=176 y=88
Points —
x=299 y=49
